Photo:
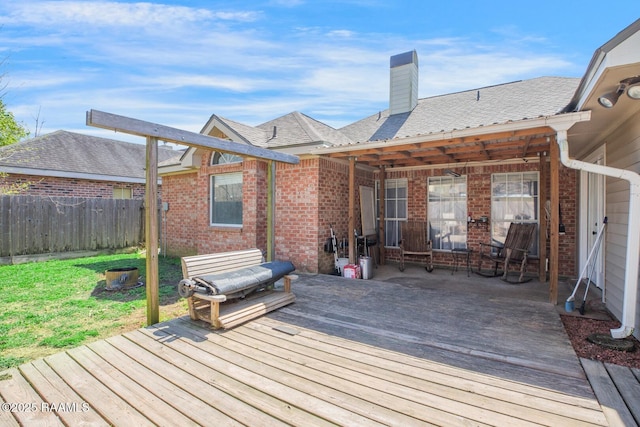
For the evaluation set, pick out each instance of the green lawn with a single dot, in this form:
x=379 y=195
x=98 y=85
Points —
x=53 y=305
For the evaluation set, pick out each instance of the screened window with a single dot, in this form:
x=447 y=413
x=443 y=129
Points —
x=226 y=199
x=514 y=198
x=395 y=210
x=447 y=212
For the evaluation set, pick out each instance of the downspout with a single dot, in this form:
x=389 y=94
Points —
x=633 y=230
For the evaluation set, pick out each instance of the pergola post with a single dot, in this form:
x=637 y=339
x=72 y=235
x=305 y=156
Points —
x=151 y=231
x=543 y=195
x=554 y=156
x=270 y=210
x=352 y=210
x=381 y=205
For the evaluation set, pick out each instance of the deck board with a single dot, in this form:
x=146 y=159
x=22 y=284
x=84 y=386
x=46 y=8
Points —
x=55 y=390
x=326 y=360
x=252 y=372
x=628 y=386
x=323 y=383
x=613 y=405
x=156 y=409
x=216 y=386
x=15 y=389
x=112 y=408
x=203 y=400
x=453 y=384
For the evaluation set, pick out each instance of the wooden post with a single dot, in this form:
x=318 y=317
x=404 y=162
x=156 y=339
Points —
x=352 y=210
x=270 y=217
x=381 y=224
x=542 y=241
x=151 y=231
x=554 y=157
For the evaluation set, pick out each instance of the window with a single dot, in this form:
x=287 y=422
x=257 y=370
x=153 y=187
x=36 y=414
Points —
x=514 y=198
x=395 y=201
x=447 y=212
x=122 y=193
x=226 y=199
x=219 y=158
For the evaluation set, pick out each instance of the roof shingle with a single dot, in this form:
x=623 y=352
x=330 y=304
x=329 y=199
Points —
x=78 y=153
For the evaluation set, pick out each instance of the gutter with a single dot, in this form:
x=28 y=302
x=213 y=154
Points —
x=630 y=294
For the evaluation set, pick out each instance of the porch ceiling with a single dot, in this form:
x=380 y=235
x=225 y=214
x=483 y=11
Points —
x=446 y=150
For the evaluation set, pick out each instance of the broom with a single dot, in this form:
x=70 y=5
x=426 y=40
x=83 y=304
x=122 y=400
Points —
x=569 y=304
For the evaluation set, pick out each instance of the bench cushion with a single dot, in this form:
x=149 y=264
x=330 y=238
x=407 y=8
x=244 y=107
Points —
x=246 y=277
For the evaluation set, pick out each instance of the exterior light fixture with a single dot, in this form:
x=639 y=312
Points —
x=608 y=100
x=451 y=173
x=631 y=85
x=633 y=91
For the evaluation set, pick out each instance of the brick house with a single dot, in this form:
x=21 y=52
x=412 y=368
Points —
x=498 y=152
x=71 y=164
x=315 y=193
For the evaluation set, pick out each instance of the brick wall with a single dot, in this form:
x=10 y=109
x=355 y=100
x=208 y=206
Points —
x=188 y=222
x=314 y=194
x=297 y=213
x=72 y=187
x=180 y=222
x=479 y=204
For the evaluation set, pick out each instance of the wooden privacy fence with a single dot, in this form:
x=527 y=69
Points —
x=38 y=225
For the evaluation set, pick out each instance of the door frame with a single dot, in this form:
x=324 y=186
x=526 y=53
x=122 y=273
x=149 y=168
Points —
x=592 y=211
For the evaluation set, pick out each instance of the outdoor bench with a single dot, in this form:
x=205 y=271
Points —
x=241 y=280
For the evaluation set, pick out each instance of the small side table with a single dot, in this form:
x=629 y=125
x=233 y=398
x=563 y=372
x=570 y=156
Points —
x=461 y=254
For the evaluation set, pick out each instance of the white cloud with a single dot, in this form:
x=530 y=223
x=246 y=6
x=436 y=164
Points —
x=215 y=81
x=178 y=65
x=113 y=14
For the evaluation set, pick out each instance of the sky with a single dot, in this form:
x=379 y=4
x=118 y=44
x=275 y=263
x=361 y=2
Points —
x=178 y=62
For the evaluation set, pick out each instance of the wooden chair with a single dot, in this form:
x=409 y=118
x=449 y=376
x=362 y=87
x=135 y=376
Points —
x=515 y=250
x=415 y=241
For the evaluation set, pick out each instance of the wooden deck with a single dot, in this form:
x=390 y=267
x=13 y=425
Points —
x=347 y=352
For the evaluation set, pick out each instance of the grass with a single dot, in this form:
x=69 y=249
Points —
x=53 y=305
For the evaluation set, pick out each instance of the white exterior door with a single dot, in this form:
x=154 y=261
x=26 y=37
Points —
x=592 y=212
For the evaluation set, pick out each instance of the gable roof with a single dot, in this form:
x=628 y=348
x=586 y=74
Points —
x=299 y=129
x=520 y=100
x=292 y=129
x=68 y=154
x=294 y=132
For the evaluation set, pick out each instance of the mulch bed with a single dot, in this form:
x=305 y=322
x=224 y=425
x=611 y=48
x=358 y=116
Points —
x=580 y=328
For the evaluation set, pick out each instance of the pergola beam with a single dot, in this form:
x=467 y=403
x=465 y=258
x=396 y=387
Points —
x=131 y=126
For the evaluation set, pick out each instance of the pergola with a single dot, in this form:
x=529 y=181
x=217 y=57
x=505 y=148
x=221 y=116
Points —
x=525 y=139
x=153 y=133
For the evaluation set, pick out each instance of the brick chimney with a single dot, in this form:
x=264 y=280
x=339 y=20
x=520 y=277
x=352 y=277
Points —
x=403 y=88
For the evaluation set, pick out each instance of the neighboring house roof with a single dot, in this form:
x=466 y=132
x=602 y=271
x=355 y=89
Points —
x=520 y=100
x=74 y=155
